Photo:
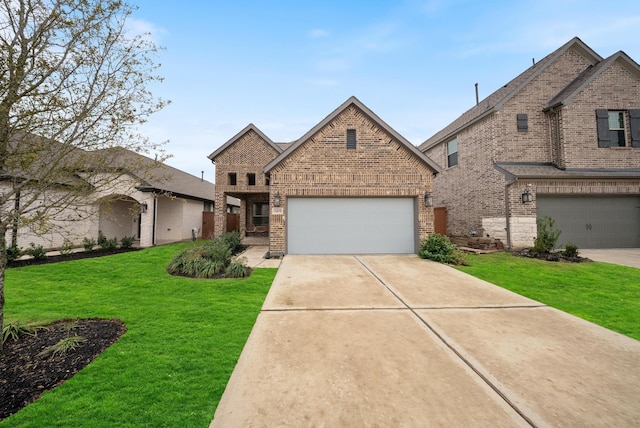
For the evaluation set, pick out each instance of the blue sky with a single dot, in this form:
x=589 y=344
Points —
x=285 y=65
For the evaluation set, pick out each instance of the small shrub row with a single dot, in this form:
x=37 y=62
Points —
x=440 y=249
x=211 y=260
x=38 y=252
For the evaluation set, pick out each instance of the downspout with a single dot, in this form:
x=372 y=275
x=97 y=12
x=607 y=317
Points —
x=155 y=218
x=507 y=211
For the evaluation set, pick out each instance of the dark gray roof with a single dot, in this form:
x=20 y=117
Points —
x=548 y=171
x=565 y=96
x=372 y=116
x=249 y=127
x=496 y=100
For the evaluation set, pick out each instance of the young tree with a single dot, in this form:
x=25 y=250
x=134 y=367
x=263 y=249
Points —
x=73 y=89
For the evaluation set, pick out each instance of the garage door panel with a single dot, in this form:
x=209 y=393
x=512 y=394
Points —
x=594 y=221
x=350 y=225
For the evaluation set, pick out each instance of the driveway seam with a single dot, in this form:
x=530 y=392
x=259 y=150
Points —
x=451 y=347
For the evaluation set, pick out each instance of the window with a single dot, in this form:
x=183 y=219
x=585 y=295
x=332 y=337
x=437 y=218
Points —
x=261 y=214
x=523 y=122
x=208 y=206
x=251 y=179
x=351 y=139
x=452 y=153
x=232 y=179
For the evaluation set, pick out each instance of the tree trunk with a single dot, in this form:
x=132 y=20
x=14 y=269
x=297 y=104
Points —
x=3 y=266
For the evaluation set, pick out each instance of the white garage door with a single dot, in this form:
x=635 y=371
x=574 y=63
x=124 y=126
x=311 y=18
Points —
x=350 y=225
x=594 y=221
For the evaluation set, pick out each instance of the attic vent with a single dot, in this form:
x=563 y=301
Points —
x=351 y=139
x=523 y=122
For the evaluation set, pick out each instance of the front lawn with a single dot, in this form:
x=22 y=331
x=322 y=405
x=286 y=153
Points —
x=171 y=367
x=603 y=293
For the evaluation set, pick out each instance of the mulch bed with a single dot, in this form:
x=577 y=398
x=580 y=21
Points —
x=73 y=256
x=25 y=373
x=550 y=257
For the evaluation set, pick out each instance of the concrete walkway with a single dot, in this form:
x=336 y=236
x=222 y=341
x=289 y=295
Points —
x=618 y=256
x=399 y=341
x=254 y=256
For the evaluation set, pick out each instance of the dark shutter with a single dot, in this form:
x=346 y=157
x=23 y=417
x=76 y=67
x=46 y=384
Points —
x=634 y=122
x=351 y=139
x=523 y=122
x=602 y=118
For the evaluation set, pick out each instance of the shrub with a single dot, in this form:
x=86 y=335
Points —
x=13 y=253
x=440 y=249
x=88 y=243
x=232 y=240
x=547 y=235
x=14 y=330
x=67 y=247
x=110 y=244
x=571 y=250
x=237 y=269
x=36 y=251
x=101 y=238
x=63 y=346
x=127 y=241
x=218 y=250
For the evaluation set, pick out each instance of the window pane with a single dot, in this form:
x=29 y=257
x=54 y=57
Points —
x=452 y=159
x=452 y=147
x=617 y=138
x=616 y=120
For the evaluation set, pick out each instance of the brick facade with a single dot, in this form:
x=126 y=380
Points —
x=383 y=164
x=479 y=198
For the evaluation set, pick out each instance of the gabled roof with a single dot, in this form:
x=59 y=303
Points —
x=159 y=177
x=565 y=96
x=371 y=115
x=496 y=100
x=249 y=127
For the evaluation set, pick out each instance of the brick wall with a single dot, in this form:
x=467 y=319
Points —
x=380 y=166
x=248 y=154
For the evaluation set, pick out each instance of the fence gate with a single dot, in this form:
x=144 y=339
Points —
x=440 y=220
x=208 y=224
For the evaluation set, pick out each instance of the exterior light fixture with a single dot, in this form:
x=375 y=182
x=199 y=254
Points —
x=143 y=207
x=527 y=196
x=276 y=200
x=428 y=199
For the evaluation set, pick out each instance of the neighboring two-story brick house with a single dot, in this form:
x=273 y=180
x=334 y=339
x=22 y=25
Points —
x=351 y=184
x=562 y=140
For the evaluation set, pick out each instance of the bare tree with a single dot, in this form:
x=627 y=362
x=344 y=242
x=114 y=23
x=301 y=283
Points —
x=73 y=89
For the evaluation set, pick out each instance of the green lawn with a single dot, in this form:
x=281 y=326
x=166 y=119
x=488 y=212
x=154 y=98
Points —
x=603 y=293
x=170 y=368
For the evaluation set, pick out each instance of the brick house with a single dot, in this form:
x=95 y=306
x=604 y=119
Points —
x=562 y=139
x=351 y=184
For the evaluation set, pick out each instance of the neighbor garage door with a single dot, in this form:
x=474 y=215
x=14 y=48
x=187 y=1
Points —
x=594 y=222
x=350 y=225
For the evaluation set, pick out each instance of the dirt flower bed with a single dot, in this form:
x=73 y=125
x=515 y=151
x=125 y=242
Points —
x=67 y=257
x=550 y=257
x=27 y=370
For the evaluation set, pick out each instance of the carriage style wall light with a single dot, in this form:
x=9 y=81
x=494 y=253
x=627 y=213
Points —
x=527 y=196
x=276 y=200
x=428 y=199
x=143 y=207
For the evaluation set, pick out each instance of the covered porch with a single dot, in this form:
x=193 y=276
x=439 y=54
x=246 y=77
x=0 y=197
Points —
x=254 y=216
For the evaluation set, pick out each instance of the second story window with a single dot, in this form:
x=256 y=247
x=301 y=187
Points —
x=251 y=179
x=232 y=179
x=611 y=128
x=452 y=153
x=351 y=139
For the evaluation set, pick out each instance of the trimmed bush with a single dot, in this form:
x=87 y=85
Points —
x=440 y=249
x=127 y=242
x=101 y=238
x=571 y=250
x=67 y=248
x=36 y=251
x=109 y=244
x=88 y=244
x=13 y=253
x=218 y=250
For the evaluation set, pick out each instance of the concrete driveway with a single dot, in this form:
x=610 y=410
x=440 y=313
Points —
x=399 y=341
x=619 y=256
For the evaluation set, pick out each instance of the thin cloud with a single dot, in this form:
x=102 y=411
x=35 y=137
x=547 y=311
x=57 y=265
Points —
x=318 y=33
